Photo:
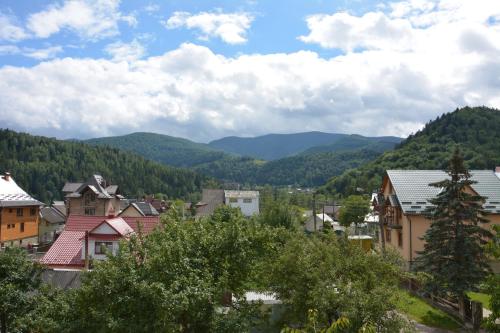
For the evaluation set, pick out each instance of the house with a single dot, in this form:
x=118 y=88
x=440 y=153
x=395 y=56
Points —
x=247 y=201
x=18 y=214
x=93 y=197
x=52 y=221
x=210 y=199
x=405 y=196
x=322 y=221
x=137 y=209
x=101 y=233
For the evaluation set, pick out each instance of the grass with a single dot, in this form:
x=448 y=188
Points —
x=480 y=297
x=418 y=310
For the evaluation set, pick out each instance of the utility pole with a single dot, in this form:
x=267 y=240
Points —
x=314 y=210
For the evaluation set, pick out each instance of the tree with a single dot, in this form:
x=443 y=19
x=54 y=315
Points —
x=493 y=283
x=278 y=213
x=334 y=279
x=19 y=279
x=175 y=279
x=354 y=210
x=453 y=253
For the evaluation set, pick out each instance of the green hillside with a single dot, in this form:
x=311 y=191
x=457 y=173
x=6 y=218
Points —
x=42 y=165
x=476 y=130
x=303 y=170
x=275 y=146
x=354 y=141
x=162 y=148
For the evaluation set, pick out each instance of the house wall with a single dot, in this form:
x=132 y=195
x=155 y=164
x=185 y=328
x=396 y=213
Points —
x=103 y=207
x=92 y=254
x=13 y=236
x=248 y=209
x=47 y=231
x=130 y=211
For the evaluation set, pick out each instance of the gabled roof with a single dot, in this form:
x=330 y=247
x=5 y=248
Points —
x=413 y=191
x=144 y=208
x=11 y=195
x=117 y=224
x=67 y=249
x=95 y=183
x=52 y=215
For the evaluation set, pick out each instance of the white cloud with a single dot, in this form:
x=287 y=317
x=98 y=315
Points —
x=193 y=92
x=231 y=28
x=9 y=30
x=120 y=51
x=39 y=54
x=91 y=19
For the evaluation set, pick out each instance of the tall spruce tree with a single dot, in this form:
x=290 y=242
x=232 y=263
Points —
x=453 y=253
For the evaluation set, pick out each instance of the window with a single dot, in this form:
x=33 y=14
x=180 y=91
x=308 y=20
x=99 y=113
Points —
x=233 y=200
x=102 y=247
x=89 y=198
x=21 y=227
x=19 y=212
x=400 y=239
x=89 y=211
x=247 y=200
x=32 y=211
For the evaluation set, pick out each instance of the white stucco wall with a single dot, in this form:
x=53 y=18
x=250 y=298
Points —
x=248 y=209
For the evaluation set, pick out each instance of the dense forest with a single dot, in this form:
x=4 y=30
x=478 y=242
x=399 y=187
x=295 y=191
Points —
x=475 y=130
x=275 y=146
x=303 y=170
x=312 y=167
x=163 y=148
x=42 y=165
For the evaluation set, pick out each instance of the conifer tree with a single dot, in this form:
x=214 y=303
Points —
x=453 y=253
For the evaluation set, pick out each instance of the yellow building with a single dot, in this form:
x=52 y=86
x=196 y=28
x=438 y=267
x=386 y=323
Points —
x=406 y=195
x=18 y=214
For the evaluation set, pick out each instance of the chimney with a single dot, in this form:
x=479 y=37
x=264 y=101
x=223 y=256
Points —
x=7 y=176
x=111 y=212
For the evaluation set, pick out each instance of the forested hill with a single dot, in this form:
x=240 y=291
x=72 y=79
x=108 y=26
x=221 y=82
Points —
x=476 y=130
x=275 y=146
x=42 y=165
x=163 y=148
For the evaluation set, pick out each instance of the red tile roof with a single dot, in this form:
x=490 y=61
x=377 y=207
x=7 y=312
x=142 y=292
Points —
x=117 y=224
x=67 y=249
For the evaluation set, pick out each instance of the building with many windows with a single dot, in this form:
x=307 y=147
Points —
x=18 y=214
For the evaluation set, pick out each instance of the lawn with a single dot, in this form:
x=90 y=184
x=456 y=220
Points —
x=480 y=297
x=423 y=313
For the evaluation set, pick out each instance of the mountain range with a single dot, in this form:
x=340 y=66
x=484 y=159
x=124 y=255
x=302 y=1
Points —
x=307 y=159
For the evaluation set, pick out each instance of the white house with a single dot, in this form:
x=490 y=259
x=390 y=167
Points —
x=247 y=201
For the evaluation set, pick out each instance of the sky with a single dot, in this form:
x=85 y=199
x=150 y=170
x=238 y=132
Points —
x=206 y=69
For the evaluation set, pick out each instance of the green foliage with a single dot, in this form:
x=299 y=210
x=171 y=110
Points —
x=163 y=148
x=310 y=168
x=174 y=280
x=354 y=210
x=336 y=279
x=275 y=146
x=453 y=253
x=493 y=284
x=475 y=130
x=19 y=279
x=279 y=213
x=42 y=165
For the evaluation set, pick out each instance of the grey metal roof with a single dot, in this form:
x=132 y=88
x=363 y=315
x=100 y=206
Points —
x=145 y=208
x=52 y=215
x=413 y=190
x=71 y=187
x=112 y=189
x=241 y=194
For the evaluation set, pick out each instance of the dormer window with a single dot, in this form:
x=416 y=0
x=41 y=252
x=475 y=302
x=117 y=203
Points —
x=89 y=198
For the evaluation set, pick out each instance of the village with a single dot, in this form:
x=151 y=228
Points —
x=69 y=237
